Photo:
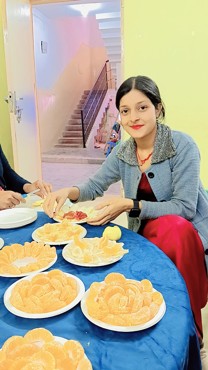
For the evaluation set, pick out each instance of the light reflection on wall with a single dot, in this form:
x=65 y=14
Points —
x=46 y=102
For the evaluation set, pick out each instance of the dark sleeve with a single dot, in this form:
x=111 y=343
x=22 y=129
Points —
x=9 y=179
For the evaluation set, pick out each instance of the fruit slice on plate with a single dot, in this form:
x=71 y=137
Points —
x=75 y=213
x=91 y=252
x=39 y=349
x=58 y=233
x=19 y=260
x=44 y=295
x=122 y=304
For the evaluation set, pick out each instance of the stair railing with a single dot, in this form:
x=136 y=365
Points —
x=93 y=103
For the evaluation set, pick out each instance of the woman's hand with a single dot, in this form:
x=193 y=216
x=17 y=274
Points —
x=44 y=188
x=10 y=199
x=111 y=208
x=54 y=201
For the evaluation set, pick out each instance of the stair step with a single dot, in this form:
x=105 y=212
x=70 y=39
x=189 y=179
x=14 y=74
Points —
x=69 y=146
x=86 y=92
x=72 y=134
x=73 y=128
x=69 y=140
x=76 y=116
x=74 y=121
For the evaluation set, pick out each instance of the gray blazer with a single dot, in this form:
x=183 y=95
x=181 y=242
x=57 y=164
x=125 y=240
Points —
x=173 y=177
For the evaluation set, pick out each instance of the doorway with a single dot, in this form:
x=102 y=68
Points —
x=67 y=46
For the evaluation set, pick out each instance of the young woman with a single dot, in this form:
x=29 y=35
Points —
x=12 y=185
x=164 y=196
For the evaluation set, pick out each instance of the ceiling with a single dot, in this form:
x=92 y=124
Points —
x=65 y=9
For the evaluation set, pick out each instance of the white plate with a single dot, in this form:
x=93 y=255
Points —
x=17 y=217
x=98 y=264
x=1 y=242
x=32 y=272
x=63 y=242
x=125 y=329
x=26 y=315
x=67 y=208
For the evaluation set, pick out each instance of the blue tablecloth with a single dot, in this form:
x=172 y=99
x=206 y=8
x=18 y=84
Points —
x=169 y=345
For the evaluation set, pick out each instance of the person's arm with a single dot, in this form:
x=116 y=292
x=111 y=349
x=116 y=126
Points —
x=17 y=183
x=12 y=180
x=95 y=187
x=43 y=188
x=9 y=199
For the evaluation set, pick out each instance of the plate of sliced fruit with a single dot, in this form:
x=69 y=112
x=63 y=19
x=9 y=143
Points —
x=44 y=295
x=76 y=213
x=43 y=347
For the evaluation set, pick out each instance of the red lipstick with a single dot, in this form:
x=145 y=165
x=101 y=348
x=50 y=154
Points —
x=136 y=127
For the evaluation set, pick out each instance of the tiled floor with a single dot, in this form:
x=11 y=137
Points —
x=67 y=174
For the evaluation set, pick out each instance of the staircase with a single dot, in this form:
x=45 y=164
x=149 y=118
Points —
x=110 y=28
x=72 y=134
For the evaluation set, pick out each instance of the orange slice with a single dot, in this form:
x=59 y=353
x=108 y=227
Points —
x=45 y=359
x=74 y=350
x=25 y=350
x=39 y=337
x=17 y=301
x=7 y=364
x=12 y=343
x=66 y=364
x=115 y=278
x=2 y=356
x=84 y=364
x=147 y=285
x=157 y=298
x=154 y=308
x=147 y=298
x=41 y=279
x=140 y=317
x=56 y=349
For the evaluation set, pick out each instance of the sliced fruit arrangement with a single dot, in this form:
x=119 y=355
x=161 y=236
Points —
x=39 y=349
x=94 y=250
x=44 y=292
x=123 y=302
x=76 y=213
x=64 y=230
x=17 y=259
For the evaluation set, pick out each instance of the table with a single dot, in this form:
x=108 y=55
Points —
x=169 y=345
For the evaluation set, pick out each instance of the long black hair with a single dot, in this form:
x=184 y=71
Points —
x=144 y=84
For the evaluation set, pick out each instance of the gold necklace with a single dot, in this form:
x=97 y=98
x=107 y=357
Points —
x=142 y=161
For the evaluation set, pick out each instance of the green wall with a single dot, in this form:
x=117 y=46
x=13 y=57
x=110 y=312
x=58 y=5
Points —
x=5 y=131
x=167 y=41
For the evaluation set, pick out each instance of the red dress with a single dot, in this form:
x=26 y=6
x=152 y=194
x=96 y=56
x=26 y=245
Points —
x=179 y=240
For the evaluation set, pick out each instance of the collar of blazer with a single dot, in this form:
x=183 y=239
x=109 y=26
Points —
x=164 y=147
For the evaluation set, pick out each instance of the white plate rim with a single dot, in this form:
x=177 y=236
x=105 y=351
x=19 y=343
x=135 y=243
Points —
x=32 y=272
x=1 y=243
x=63 y=242
x=26 y=315
x=82 y=264
x=73 y=221
x=14 y=224
x=122 y=329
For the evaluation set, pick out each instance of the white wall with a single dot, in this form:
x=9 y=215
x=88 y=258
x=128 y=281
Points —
x=75 y=56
